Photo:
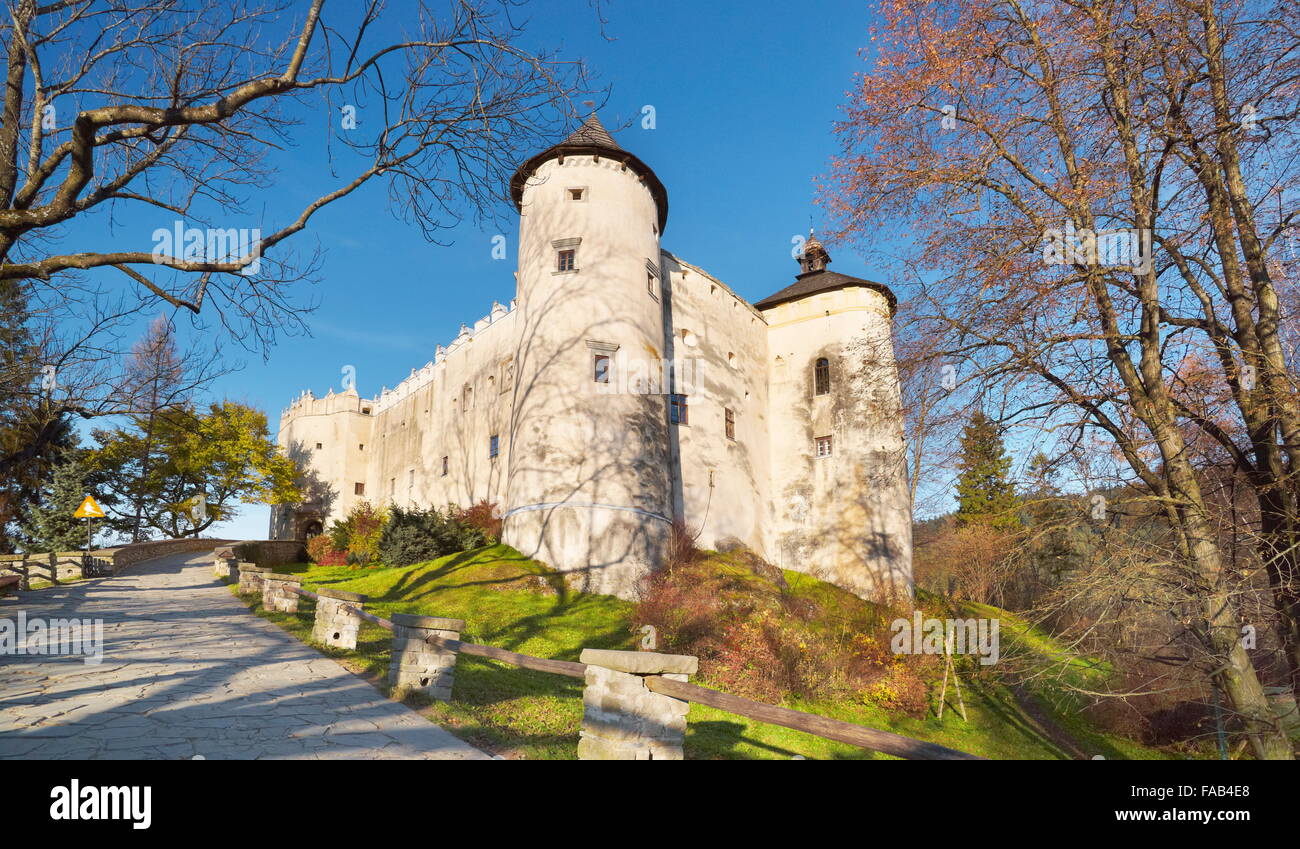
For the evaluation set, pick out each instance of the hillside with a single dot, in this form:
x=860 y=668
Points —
x=518 y=604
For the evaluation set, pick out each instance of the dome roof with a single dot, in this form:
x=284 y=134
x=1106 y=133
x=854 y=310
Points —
x=592 y=139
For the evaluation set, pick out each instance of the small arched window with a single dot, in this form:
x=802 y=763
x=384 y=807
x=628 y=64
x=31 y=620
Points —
x=822 y=377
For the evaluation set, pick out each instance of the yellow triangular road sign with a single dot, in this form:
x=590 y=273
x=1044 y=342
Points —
x=89 y=510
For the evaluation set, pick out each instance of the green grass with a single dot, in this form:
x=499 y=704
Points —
x=515 y=603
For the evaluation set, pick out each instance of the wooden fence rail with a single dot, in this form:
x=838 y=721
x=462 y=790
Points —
x=831 y=729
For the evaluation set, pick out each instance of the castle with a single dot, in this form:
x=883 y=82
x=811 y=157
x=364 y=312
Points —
x=624 y=390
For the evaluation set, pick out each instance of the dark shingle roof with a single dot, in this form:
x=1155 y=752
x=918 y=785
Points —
x=592 y=132
x=815 y=282
x=593 y=139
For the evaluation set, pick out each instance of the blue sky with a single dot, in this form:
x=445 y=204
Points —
x=745 y=95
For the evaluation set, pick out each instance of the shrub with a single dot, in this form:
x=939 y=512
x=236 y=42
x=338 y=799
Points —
x=482 y=516
x=760 y=638
x=365 y=527
x=416 y=535
x=319 y=547
x=356 y=538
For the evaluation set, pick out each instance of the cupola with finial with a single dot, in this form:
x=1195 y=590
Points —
x=814 y=256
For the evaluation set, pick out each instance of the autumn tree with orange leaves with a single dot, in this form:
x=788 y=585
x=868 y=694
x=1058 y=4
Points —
x=1091 y=196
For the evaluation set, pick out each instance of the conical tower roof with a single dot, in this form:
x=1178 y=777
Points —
x=592 y=139
x=592 y=132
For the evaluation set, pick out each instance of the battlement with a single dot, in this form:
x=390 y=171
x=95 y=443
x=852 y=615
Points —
x=423 y=376
x=307 y=404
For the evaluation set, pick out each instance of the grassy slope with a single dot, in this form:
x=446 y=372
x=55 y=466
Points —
x=512 y=602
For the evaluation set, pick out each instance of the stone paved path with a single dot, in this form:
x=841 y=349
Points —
x=187 y=671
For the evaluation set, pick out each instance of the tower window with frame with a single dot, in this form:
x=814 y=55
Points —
x=822 y=377
x=678 y=412
x=600 y=368
x=825 y=446
x=566 y=260
x=494 y=446
x=445 y=464
x=729 y=421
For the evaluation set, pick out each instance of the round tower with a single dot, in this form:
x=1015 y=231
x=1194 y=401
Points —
x=841 y=506
x=588 y=489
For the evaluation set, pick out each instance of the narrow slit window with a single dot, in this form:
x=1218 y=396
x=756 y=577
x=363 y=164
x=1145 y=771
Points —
x=444 y=465
x=494 y=446
x=729 y=418
x=822 y=377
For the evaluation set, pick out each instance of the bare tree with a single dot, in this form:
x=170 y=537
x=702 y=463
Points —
x=177 y=107
x=997 y=132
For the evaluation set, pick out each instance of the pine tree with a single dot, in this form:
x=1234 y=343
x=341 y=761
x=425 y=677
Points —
x=53 y=527
x=34 y=433
x=985 y=493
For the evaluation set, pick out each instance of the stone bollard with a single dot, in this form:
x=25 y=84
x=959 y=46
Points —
x=276 y=594
x=417 y=666
x=622 y=720
x=250 y=577
x=335 y=625
x=225 y=567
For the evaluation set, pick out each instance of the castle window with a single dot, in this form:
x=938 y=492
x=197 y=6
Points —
x=358 y=488
x=468 y=403
x=319 y=446
x=729 y=417
x=652 y=279
x=677 y=410
x=444 y=465
x=361 y=447
x=566 y=260
x=365 y=411
x=822 y=377
x=577 y=193
x=600 y=364
x=824 y=447
x=494 y=446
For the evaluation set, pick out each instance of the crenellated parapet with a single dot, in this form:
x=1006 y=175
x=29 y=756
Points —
x=423 y=376
x=307 y=404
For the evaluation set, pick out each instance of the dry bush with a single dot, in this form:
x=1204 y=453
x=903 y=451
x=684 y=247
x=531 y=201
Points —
x=969 y=562
x=763 y=640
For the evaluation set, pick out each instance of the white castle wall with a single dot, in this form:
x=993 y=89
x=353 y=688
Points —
x=589 y=479
x=721 y=484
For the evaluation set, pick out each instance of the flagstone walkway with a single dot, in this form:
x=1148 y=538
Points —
x=187 y=672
